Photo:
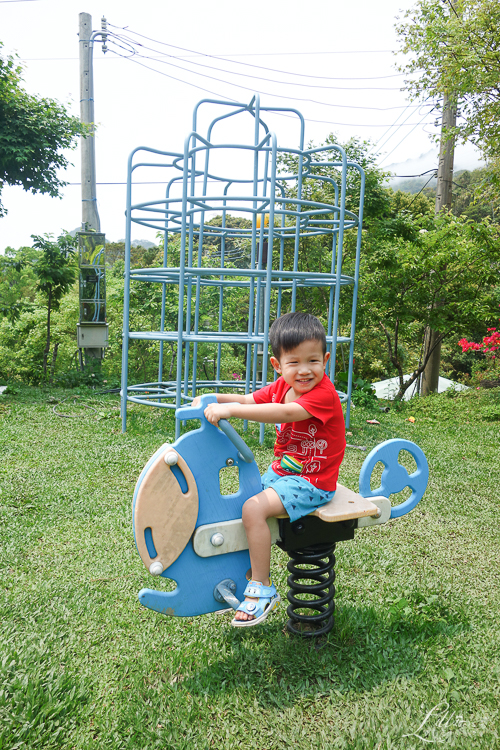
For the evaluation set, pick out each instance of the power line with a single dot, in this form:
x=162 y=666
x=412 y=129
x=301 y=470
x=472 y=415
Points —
x=259 y=78
x=415 y=175
x=402 y=139
x=433 y=176
x=37 y=59
x=380 y=145
x=164 y=182
x=376 y=145
x=326 y=52
x=187 y=83
x=274 y=70
x=246 y=88
x=303 y=75
x=229 y=98
x=78 y=184
x=281 y=96
x=217 y=182
x=149 y=182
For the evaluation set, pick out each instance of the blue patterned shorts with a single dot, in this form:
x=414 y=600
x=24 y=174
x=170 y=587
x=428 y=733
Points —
x=298 y=496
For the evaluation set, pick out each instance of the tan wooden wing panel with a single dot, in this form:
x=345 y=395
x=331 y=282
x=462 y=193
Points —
x=163 y=507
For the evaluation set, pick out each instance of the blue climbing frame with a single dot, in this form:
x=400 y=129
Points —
x=265 y=208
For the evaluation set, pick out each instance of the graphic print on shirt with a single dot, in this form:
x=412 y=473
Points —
x=305 y=447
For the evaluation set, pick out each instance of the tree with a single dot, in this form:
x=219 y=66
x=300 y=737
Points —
x=453 y=48
x=315 y=252
x=34 y=132
x=55 y=274
x=442 y=277
x=140 y=257
x=11 y=301
x=470 y=195
x=376 y=197
x=237 y=244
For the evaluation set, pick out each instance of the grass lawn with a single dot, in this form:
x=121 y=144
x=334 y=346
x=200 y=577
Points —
x=413 y=659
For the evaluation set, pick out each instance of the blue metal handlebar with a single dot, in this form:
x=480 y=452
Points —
x=238 y=442
x=189 y=412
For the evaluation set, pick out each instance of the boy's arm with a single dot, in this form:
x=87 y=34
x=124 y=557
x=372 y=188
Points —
x=268 y=413
x=227 y=398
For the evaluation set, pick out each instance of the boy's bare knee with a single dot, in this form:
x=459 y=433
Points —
x=251 y=511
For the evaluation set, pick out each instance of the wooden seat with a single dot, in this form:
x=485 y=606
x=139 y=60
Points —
x=345 y=505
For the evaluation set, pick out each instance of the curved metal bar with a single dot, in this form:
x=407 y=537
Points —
x=238 y=442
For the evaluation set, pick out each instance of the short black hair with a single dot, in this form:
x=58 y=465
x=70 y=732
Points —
x=290 y=330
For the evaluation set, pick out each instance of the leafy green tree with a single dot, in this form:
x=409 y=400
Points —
x=22 y=342
x=56 y=273
x=415 y=206
x=376 y=197
x=33 y=135
x=443 y=277
x=237 y=246
x=140 y=257
x=315 y=253
x=405 y=216
x=472 y=195
x=452 y=47
x=17 y=282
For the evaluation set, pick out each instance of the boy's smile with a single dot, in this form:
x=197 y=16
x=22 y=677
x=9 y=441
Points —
x=302 y=368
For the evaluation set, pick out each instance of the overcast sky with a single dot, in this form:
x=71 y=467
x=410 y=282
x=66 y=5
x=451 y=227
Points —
x=332 y=60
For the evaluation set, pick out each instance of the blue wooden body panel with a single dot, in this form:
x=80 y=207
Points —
x=206 y=451
x=196 y=578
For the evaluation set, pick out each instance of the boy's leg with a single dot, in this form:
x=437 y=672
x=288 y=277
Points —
x=255 y=513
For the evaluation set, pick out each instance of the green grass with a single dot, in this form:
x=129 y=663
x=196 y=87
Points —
x=83 y=665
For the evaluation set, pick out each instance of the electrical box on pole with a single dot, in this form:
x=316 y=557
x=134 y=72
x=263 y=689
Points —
x=92 y=329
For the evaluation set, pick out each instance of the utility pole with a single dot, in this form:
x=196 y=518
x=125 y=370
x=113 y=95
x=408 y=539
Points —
x=92 y=330
x=430 y=376
x=90 y=216
x=446 y=156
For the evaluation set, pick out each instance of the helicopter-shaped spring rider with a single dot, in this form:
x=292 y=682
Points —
x=187 y=531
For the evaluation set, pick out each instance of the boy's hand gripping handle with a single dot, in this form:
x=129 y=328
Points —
x=188 y=412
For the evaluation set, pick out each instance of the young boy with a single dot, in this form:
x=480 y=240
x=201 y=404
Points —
x=309 y=448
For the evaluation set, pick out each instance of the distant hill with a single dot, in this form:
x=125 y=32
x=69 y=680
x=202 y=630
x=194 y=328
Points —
x=146 y=244
x=415 y=184
x=411 y=176
x=468 y=194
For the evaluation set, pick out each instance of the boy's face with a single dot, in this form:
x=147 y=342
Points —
x=303 y=367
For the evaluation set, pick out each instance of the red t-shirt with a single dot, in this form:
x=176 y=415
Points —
x=318 y=443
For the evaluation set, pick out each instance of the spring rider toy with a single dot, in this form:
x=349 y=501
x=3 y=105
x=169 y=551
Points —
x=187 y=531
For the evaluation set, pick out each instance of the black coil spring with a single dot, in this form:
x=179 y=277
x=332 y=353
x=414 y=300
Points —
x=321 y=558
